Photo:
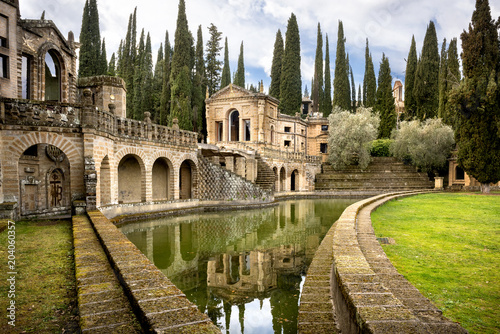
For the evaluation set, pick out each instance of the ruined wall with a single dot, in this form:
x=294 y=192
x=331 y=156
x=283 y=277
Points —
x=216 y=183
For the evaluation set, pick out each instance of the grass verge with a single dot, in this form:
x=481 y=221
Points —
x=448 y=246
x=45 y=296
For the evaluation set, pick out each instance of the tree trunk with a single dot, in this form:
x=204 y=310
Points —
x=485 y=188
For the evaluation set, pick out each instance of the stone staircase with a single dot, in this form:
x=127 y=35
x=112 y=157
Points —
x=382 y=175
x=265 y=175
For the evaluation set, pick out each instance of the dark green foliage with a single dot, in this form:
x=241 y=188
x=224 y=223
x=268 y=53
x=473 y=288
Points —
x=147 y=102
x=103 y=60
x=317 y=87
x=126 y=64
x=226 y=71
x=426 y=89
x=291 y=81
x=326 y=104
x=138 y=79
x=91 y=57
x=369 y=80
x=353 y=91
x=157 y=85
x=453 y=78
x=360 y=101
x=274 y=90
x=181 y=100
x=443 y=71
x=341 y=89
x=380 y=148
x=349 y=82
x=180 y=72
x=477 y=99
x=213 y=63
x=183 y=43
x=239 y=78
x=385 y=101
x=411 y=69
x=199 y=86
x=112 y=65
x=166 y=87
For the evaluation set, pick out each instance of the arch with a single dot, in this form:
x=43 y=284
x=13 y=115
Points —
x=162 y=175
x=105 y=181
x=164 y=246
x=187 y=242
x=459 y=173
x=130 y=179
x=276 y=178
x=282 y=179
x=53 y=76
x=294 y=180
x=234 y=126
x=187 y=180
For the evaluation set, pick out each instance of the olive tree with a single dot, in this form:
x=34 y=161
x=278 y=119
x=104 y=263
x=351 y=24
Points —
x=350 y=137
x=427 y=144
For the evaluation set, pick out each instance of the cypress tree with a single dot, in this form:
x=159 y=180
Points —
x=239 y=78
x=119 y=60
x=453 y=79
x=112 y=66
x=157 y=85
x=353 y=93
x=274 y=90
x=103 y=68
x=138 y=79
x=411 y=69
x=341 y=88
x=348 y=66
x=90 y=61
x=181 y=100
x=213 y=63
x=326 y=106
x=182 y=62
x=127 y=62
x=385 y=101
x=226 y=72
x=317 y=88
x=426 y=89
x=360 y=99
x=147 y=101
x=442 y=81
x=166 y=87
x=369 y=81
x=199 y=87
x=291 y=81
x=478 y=99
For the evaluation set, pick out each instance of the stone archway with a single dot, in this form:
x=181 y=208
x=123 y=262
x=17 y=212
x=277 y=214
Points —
x=130 y=183
x=282 y=179
x=294 y=180
x=234 y=126
x=162 y=179
x=187 y=180
x=53 y=76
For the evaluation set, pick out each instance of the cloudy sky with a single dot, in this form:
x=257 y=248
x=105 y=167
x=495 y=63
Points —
x=388 y=24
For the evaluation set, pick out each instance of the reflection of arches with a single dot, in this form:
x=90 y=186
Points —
x=187 y=179
x=459 y=173
x=164 y=246
x=282 y=179
x=188 y=242
x=161 y=178
x=105 y=181
x=129 y=179
x=52 y=76
x=294 y=180
x=233 y=272
x=234 y=126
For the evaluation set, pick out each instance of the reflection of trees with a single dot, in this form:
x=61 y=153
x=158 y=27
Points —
x=285 y=304
x=164 y=246
x=187 y=242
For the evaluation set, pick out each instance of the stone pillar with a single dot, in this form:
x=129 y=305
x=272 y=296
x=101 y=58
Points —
x=90 y=179
x=230 y=163
x=240 y=166
x=439 y=183
x=215 y=160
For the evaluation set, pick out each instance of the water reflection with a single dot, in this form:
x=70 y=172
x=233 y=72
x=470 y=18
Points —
x=244 y=269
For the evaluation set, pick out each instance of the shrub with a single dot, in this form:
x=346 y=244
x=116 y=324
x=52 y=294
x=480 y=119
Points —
x=350 y=136
x=427 y=145
x=380 y=148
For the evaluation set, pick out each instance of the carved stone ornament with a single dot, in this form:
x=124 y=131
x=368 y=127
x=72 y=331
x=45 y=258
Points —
x=54 y=153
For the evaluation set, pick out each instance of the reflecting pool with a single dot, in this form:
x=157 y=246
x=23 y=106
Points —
x=245 y=269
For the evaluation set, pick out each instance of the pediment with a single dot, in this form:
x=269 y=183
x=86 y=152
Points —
x=232 y=91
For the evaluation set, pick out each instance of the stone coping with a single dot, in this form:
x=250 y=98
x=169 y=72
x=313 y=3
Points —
x=353 y=287
x=158 y=304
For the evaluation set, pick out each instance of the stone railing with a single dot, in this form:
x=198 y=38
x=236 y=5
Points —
x=39 y=113
x=56 y=114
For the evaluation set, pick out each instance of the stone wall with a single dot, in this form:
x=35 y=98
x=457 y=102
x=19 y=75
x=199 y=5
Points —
x=216 y=183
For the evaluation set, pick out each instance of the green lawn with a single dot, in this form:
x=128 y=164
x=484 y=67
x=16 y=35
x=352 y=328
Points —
x=448 y=246
x=45 y=294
